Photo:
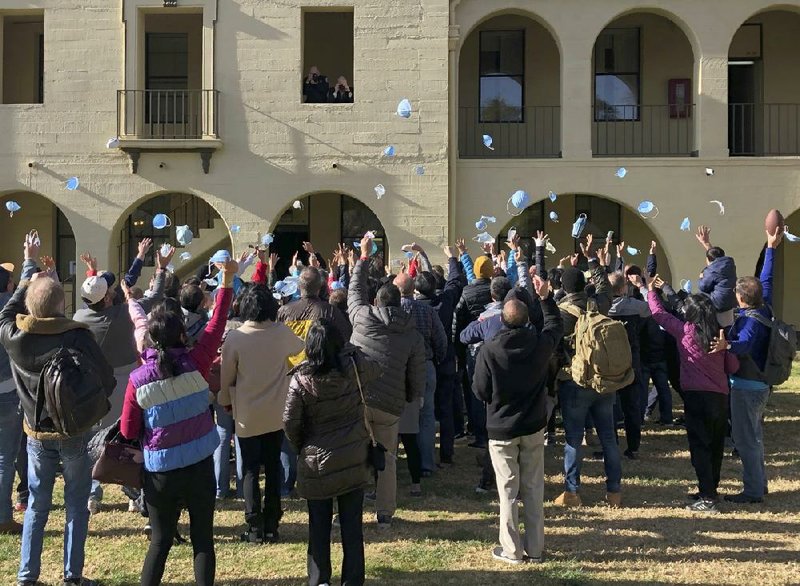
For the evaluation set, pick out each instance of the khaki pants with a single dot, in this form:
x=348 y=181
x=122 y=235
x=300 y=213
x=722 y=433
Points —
x=519 y=469
x=385 y=428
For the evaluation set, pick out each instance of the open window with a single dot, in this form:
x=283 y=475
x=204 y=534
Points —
x=328 y=57
x=23 y=58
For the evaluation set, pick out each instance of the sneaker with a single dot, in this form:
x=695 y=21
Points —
x=568 y=499
x=696 y=496
x=148 y=531
x=596 y=455
x=703 y=506
x=742 y=499
x=94 y=505
x=132 y=506
x=272 y=537
x=21 y=506
x=10 y=528
x=532 y=560
x=614 y=499
x=483 y=489
x=252 y=535
x=631 y=455
x=384 y=521
x=499 y=554
x=81 y=582
x=416 y=490
x=461 y=436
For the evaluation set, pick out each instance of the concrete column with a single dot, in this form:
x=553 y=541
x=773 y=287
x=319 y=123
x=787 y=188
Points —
x=711 y=73
x=452 y=168
x=576 y=98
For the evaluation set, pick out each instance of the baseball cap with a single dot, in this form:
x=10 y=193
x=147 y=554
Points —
x=95 y=288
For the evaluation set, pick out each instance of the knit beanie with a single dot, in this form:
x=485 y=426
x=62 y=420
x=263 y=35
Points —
x=572 y=280
x=484 y=267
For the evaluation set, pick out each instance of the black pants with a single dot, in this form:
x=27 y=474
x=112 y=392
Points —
x=320 y=515
x=706 y=416
x=443 y=399
x=257 y=451
x=629 y=400
x=413 y=458
x=194 y=488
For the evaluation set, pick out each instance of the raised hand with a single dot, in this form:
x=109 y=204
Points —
x=449 y=251
x=542 y=287
x=89 y=261
x=309 y=248
x=488 y=248
x=573 y=259
x=144 y=246
x=461 y=244
x=653 y=247
x=541 y=239
x=163 y=260
x=273 y=261
x=704 y=236
x=31 y=245
x=774 y=240
x=49 y=265
x=366 y=246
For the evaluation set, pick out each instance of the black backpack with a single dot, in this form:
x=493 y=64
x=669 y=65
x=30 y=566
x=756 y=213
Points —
x=782 y=348
x=72 y=390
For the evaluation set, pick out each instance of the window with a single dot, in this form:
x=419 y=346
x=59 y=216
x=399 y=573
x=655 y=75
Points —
x=328 y=53
x=502 y=76
x=602 y=215
x=616 y=75
x=22 y=59
x=166 y=70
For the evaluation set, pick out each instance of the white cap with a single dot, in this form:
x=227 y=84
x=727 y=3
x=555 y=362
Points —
x=94 y=289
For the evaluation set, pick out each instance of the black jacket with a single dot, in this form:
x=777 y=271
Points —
x=324 y=422
x=511 y=373
x=444 y=302
x=654 y=343
x=30 y=343
x=388 y=336
x=474 y=299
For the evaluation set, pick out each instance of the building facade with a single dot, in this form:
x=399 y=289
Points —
x=196 y=109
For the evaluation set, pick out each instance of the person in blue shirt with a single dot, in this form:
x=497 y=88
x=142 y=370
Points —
x=749 y=340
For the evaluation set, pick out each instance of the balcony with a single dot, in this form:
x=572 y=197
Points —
x=764 y=130
x=643 y=130
x=171 y=120
x=536 y=135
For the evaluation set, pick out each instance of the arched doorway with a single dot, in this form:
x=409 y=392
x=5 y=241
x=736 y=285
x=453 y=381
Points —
x=763 y=88
x=603 y=215
x=325 y=220
x=209 y=229
x=509 y=87
x=642 y=70
x=55 y=232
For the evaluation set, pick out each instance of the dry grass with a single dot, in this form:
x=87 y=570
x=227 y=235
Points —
x=446 y=537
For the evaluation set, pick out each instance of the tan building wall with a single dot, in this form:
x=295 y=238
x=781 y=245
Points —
x=274 y=149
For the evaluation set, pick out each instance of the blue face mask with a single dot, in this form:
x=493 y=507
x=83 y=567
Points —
x=579 y=226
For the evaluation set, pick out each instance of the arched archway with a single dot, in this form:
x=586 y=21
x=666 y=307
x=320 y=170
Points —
x=325 y=219
x=210 y=231
x=603 y=215
x=510 y=89
x=764 y=85
x=642 y=79
x=55 y=232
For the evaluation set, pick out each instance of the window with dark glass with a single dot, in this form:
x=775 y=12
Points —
x=502 y=76
x=617 y=75
x=167 y=70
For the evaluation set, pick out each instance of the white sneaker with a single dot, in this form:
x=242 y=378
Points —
x=499 y=554
x=94 y=506
x=132 y=508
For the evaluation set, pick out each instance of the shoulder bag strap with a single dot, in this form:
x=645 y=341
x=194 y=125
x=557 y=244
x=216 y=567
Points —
x=363 y=400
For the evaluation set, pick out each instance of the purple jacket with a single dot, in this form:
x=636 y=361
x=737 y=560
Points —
x=700 y=371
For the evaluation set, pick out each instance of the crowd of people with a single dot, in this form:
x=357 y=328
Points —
x=318 y=385
x=318 y=90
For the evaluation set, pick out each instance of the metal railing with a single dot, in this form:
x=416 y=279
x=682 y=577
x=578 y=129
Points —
x=643 y=130
x=763 y=130
x=536 y=136
x=167 y=114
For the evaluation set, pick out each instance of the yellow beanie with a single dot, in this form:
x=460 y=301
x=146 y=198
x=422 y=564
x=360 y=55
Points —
x=484 y=267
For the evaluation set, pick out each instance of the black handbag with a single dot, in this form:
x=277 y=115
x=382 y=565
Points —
x=377 y=451
x=119 y=461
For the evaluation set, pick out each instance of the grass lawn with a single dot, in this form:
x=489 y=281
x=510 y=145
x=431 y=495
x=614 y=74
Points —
x=446 y=536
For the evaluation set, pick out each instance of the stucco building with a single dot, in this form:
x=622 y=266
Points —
x=195 y=108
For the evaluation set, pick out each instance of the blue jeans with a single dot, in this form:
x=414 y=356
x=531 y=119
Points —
x=427 y=420
x=289 y=465
x=10 y=431
x=222 y=455
x=576 y=402
x=657 y=372
x=747 y=411
x=43 y=459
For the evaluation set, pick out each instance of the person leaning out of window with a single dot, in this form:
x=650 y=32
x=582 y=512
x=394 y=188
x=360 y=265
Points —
x=341 y=93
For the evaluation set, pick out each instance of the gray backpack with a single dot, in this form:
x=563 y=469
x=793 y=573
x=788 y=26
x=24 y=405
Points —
x=782 y=348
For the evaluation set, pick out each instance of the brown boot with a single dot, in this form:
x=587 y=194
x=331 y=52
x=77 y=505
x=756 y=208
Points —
x=568 y=499
x=10 y=528
x=614 y=499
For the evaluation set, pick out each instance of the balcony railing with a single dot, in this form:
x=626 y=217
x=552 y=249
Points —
x=763 y=130
x=643 y=130
x=167 y=114
x=536 y=135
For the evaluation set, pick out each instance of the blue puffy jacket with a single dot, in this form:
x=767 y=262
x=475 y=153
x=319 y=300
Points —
x=719 y=282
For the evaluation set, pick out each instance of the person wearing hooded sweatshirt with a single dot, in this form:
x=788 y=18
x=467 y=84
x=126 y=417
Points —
x=511 y=377
x=167 y=408
x=387 y=335
x=718 y=279
x=474 y=299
